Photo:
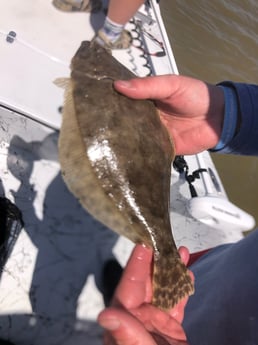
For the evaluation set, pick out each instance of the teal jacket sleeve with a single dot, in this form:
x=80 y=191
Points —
x=241 y=105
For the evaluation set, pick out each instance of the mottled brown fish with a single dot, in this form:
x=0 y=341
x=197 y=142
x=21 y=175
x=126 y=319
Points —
x=115 y=157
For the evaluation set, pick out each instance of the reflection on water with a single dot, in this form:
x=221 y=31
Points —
x=217 y=41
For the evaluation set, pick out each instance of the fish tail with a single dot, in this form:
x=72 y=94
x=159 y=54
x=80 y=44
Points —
x=171 y=282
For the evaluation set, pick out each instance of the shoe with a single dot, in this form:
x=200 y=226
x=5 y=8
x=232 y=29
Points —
x=123 y=42
x=78 y=6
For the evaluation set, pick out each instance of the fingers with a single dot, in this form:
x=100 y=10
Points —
x=136 y=326
x=184 y=254
x=160 y=322
x=160 y=340
x=124 y=328
x=159 y=87
x=178 y=311
x=136 y=278
x=163 y=87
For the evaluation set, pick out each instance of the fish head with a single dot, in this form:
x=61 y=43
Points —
x=91 y=60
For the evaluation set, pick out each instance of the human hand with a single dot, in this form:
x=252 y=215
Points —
x=132 y=320
x=192 y=110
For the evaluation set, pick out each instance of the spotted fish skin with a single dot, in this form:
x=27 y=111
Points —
x=116 y=156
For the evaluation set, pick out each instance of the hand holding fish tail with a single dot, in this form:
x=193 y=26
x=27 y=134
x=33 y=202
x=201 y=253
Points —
x=191 y=109
x=132 y=320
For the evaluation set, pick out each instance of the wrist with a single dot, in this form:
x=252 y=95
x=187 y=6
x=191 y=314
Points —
x=215 y=114
x=229 y=119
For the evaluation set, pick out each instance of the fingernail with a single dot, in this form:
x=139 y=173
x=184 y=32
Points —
x=110 y=324
x=124 y=83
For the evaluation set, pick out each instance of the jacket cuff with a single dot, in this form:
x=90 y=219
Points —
x=245 y=140
x=230 y=118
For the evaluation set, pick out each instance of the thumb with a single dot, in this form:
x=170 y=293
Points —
x=124 y=328
x=157 y=88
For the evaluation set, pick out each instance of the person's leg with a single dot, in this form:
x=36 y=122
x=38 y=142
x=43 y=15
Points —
x=121 y=11
x=224 y=308
x=112 y=34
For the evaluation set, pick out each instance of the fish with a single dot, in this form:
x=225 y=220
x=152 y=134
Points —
x=115 y=156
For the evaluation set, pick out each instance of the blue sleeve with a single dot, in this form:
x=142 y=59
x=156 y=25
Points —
x=245 y=141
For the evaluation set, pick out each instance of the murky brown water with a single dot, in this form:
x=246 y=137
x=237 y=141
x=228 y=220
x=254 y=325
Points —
x=215 y=41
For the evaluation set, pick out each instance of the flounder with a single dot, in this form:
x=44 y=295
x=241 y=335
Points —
x=115 y=157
